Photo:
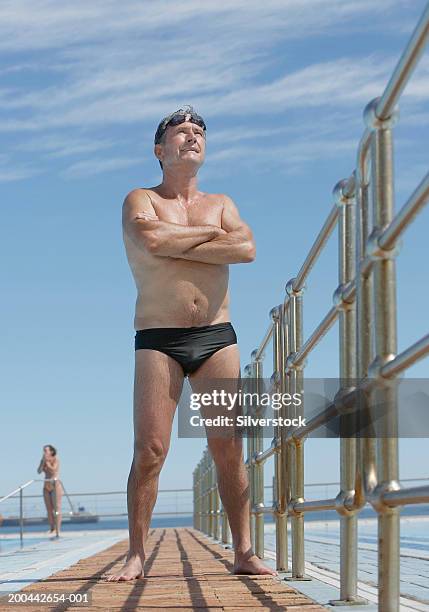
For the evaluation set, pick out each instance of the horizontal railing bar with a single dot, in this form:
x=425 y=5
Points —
x=407 y=358
x=403 y=497
x=404 y=68
x=318 y=333
x=314 y=423
x=315 y=505
x=403 y=218
x=16 y=490
x=310 y=484
x=97 y=493
x=264 y=342
x=316 y=249
x=264 y=455
x=263 y=509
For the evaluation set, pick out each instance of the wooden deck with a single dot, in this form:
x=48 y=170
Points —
x=184 y=571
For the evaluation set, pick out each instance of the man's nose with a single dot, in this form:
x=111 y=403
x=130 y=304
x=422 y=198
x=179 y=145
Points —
x=191 y=137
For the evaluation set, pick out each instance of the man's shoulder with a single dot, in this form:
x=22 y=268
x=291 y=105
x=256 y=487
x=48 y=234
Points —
x=137 y=200
x=140 y=194
x=219 y=197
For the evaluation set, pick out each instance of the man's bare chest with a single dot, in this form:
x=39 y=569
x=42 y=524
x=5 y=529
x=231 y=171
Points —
x=203 y=213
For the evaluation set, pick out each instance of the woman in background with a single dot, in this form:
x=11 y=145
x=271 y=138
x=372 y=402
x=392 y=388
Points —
x=50 y=464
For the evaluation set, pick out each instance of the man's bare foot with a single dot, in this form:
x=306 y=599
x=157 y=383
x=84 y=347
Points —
x=251 y=565
x=133 y=568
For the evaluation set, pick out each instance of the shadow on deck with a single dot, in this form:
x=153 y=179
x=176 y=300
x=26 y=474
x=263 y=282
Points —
x=184 y=570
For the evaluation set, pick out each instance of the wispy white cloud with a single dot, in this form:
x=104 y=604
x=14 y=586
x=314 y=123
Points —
x=90 y=167
x=47 y=24
x=64 y=146
x=289 y=157
x=341 y=82
x=11 y=171
x=101 y=67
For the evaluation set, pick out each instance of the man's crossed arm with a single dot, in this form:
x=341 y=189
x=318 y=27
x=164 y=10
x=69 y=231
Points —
x=232 y=243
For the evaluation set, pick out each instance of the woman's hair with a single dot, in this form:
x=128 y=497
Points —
x=51 y=448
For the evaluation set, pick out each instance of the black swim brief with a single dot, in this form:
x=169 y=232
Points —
x=190 y=346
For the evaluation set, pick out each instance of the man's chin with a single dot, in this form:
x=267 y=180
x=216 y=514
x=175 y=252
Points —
x=191 y=162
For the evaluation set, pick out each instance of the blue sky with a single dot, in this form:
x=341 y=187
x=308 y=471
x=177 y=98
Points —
x=282 y=85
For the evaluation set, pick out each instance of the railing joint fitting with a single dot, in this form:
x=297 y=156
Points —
x=338 y=299
x=291 y=291
x=345 y=400
x=375 y=372
x=291 y=365
x=275 y=313
x=341 y=197
x=345 y=503
x=375 y=252
x=376 y=500
x=276 y=378
x=291 y=511
x=373 y=122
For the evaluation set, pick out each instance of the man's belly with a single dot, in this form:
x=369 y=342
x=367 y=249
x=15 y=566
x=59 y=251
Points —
x=183 y=303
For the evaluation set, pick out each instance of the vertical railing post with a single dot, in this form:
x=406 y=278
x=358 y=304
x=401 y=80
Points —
x=201 y=496
x=206 y=494
x=250 y=450
x=198 y=497
x=21 y=517
x=207 y=490
x=198 y=493
x=385 y=349
x=347 y=349
x=211 y=496
x=194 y=498
x=216 y=504
x=366 y=476
x=285 y=447
x=279 y=475
x=258 y=470
x=226 y=530
x=297 y=481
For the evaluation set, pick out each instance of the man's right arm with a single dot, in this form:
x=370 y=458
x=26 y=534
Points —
x=163 y=238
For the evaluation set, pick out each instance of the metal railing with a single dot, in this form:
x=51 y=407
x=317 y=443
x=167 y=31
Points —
x=369 y=467
x=20 y=491
x=29 y=510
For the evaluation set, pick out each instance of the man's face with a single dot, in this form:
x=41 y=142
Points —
x=183 y=144
x=47 y=452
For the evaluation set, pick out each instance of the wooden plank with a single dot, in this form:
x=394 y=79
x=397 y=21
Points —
x=184 y=571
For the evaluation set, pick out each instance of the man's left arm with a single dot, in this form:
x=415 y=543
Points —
x=237 y=245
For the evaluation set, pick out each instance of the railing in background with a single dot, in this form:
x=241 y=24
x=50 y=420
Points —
x=368 y=353
x=29 y=510
x=20 y=491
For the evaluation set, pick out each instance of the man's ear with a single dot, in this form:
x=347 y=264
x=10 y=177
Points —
x=158 y=151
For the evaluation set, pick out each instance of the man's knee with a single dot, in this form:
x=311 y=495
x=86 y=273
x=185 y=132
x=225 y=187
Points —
x=149 y=456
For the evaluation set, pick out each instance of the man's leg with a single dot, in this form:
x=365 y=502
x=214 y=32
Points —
x=49 y=508
x=227 y=453
x=59 y=498
x=158 y=385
